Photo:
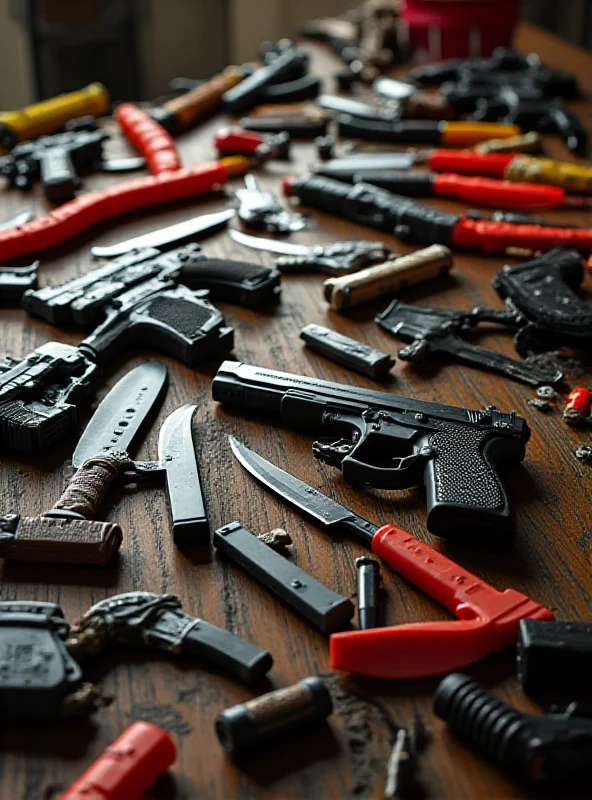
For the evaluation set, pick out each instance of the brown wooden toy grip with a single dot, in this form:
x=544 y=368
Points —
x=368 y=284
x=84 y=494
x=65 y=541
x=204 y=99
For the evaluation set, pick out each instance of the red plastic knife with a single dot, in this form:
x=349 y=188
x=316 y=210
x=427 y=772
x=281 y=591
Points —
x=488 y=619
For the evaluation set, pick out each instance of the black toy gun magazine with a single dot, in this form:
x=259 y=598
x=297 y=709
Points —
x=40 y=395
x=392 y=442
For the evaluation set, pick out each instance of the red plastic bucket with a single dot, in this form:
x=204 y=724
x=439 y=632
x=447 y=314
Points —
x=440 y=29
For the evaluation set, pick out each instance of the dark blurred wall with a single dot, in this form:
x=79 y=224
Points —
x=570 y=19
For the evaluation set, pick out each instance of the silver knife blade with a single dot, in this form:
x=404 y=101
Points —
x=349 y=165
x=270 y=245
x=299 y=494
x=177 y=456
x=18 y=219
x=165 y=236
x=121 y=416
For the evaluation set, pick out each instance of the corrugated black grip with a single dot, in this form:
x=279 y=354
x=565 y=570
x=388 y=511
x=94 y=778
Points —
x=370 y=205
x=238 y=282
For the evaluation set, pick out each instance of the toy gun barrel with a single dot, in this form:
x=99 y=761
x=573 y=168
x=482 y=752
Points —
x=49 y=115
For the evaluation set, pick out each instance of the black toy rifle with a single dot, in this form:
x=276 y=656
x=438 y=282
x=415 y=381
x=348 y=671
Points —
x=541 y=306
x=392 y=442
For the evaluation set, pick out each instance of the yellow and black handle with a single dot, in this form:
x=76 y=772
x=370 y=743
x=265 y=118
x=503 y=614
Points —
x=49 y=115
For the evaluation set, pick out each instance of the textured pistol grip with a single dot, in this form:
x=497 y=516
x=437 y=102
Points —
x=465 y=497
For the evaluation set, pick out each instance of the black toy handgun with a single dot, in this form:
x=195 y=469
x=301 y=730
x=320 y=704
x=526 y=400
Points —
x=392 y=442
x=541 y=306
x=40 y=394
x=82 y=300
x=55 y=160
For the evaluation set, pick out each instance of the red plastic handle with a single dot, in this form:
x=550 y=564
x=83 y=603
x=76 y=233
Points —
x=229 y=141
x=470 y=162
x=128 y=767
x=149 y=137
x=489 y=618
x=78 y=215
x=497 y=237
x=496 y=194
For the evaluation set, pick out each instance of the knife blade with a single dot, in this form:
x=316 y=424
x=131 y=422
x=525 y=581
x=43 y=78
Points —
x=269 y=245
x=177 y=457
x=121 y=416
x=314 y=503
x=163 y=237
x=350 y=165
x=19 y=219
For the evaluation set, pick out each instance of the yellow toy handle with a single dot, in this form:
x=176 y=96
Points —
x=49 y=115
x=571 y=177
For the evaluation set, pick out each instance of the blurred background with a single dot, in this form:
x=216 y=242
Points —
x=135 y=47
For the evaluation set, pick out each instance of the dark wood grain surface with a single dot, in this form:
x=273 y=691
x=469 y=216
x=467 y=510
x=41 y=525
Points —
x=550 y=560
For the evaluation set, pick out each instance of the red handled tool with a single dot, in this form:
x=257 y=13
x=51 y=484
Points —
x=128 y=768
x=149 y=137
x=488 y=619
x=422 y=224
x=481 y=191
x=89 y=209
x=237 y=141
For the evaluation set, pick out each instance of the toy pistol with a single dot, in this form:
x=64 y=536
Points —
x=392 y=442
x=39 y=395
x=55 y=160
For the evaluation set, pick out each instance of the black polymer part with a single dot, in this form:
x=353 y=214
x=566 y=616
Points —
x=37 y=631
x=550 y=747
x=321 y=606
x=392 y=442
x=369 y=205
x=15 y=281
x=144 y=619
x=346 y=351
x=554 y=655
x=368 y=591
x=405 y=183
x=393 y=131
x=285 y=66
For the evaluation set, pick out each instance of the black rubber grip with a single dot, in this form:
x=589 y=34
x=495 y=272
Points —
x=238 y=282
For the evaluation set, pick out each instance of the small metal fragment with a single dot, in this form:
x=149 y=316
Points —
x=547 y=393
x=277 y=539
x=584 y=453
x=540 y=405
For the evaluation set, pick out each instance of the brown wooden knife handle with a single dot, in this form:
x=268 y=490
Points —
x=86 y=490
x=204 y=99
x=369 y=284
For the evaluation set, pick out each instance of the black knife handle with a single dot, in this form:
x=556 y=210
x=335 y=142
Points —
x=245 y=660
x=321 y=606
x=238 y=282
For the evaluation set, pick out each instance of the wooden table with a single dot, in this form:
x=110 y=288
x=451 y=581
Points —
x=550 y=560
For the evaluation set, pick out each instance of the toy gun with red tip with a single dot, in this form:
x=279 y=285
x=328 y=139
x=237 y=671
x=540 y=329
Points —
x=488 y=620
x=90 y=209
x=418 y=223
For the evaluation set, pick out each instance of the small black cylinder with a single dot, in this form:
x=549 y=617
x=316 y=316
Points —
x=409 y=184
x=243 y=727
x=368 y=571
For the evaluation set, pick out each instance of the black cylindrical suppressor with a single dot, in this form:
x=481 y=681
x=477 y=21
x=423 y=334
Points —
x=550 y=747
x=368 y=570
x=246 y=726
